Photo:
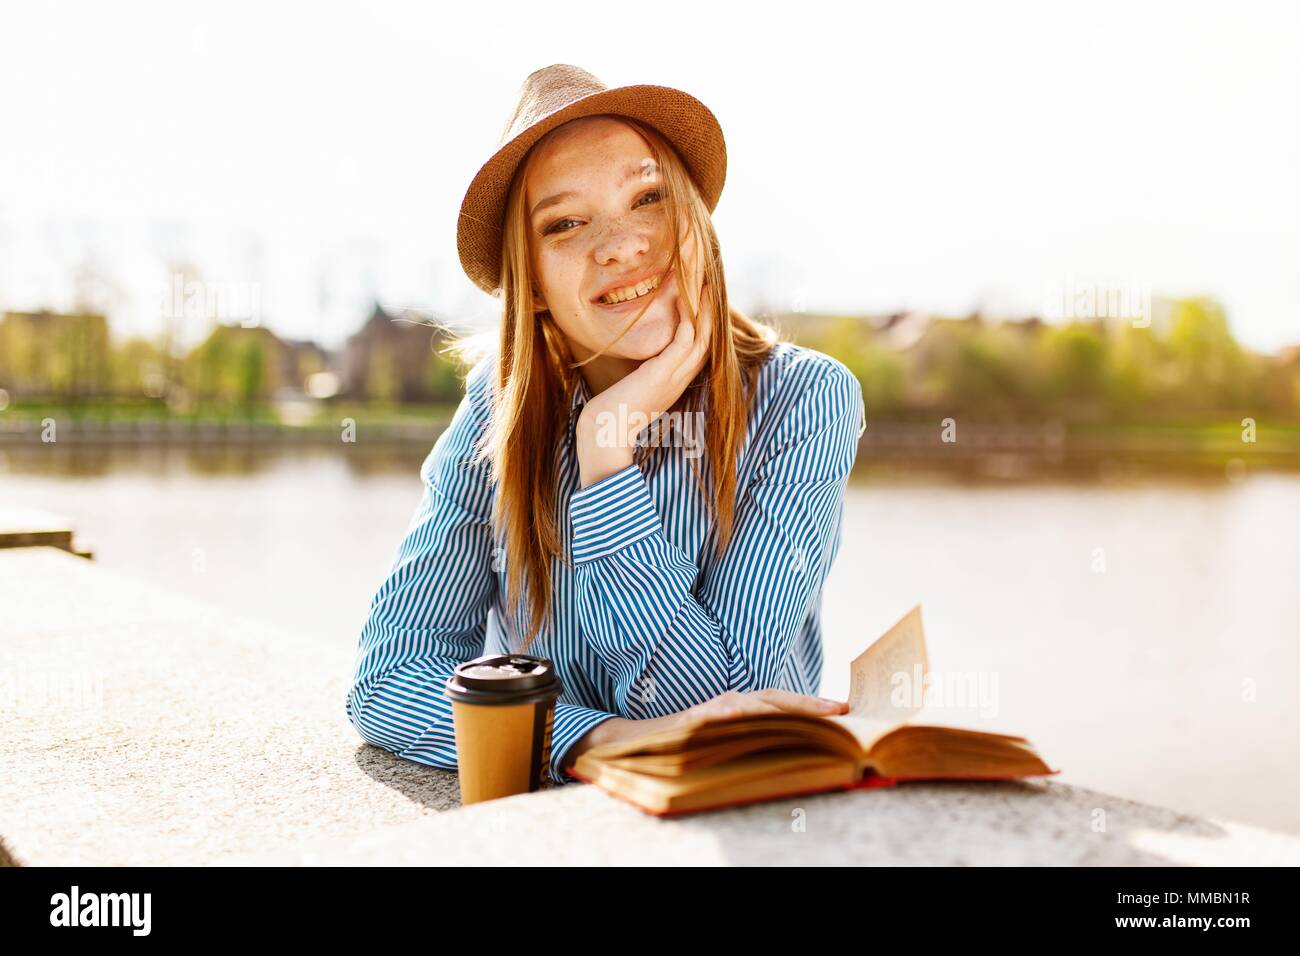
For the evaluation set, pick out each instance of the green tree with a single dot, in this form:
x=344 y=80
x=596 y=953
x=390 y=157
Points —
x=251 y=369
x=381 y=374
x=1074 y=368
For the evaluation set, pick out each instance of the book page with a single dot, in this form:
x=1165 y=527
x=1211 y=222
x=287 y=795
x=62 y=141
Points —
x=887 y=680
x=864 y=730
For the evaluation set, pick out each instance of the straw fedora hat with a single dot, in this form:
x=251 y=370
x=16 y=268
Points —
x=554 y=95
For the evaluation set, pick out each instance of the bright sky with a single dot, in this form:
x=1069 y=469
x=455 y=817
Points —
x=881 y=156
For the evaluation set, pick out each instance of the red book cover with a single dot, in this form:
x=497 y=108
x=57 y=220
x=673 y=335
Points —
x=871 y=781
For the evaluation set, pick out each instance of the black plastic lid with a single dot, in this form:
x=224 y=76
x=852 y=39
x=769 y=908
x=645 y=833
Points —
x=500 y=679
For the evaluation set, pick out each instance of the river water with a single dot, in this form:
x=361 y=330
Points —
x=1143 y=632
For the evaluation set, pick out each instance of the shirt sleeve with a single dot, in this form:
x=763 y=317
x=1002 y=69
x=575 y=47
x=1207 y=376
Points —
x=571 y=723
x=430 y=612
x=673 y=634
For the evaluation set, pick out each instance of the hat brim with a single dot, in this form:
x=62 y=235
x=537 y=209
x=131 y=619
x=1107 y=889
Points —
x=686 y=122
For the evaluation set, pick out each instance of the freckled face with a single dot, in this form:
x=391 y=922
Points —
x=608 y=227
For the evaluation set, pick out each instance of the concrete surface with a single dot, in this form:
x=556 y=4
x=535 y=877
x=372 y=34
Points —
x=952 y=824
x=141 y=727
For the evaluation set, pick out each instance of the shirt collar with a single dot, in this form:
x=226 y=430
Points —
x=581 y=393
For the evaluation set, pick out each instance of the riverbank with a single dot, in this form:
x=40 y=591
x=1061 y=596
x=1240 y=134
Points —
x=998 y=450
x=346 y=424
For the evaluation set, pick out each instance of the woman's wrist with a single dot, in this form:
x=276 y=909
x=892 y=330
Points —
x=599 y=459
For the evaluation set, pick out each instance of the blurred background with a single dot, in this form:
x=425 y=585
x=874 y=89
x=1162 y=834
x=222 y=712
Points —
x=1059 y=245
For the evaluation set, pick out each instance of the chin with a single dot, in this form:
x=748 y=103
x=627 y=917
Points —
x=650 y=335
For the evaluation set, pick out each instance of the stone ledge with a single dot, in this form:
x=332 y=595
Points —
x=147 y=728
x=150 y=728
x=28 y=528
x=1043 y=823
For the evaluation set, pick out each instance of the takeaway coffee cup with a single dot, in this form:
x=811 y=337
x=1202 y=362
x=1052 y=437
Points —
x=503 y=708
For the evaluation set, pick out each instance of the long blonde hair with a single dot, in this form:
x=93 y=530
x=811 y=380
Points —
x=536 y=375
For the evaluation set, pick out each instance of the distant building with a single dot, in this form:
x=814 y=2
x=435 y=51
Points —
x=394 y=357
x=237 y=363
x=55 y=354
x=299 y=360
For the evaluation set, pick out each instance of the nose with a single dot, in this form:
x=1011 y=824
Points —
x=621 y=241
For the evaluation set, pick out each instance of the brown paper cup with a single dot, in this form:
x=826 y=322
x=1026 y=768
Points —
x=503 y=709
x=502 y=750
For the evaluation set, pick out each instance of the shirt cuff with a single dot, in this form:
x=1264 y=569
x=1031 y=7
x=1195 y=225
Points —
x=570 y=724
x=611 y=514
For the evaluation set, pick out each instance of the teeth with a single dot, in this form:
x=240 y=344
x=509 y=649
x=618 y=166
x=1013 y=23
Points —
x=630 y=292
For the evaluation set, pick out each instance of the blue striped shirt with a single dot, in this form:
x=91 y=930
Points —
x=647 y=619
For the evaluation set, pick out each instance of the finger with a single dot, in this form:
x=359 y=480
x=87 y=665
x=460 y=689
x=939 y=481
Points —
x=745 y=707
x=686 y=325
x=683 y=336
x=749 y=705
x=680 y=360
x=774 y=695
x=705 y=331
x=704 y=317
x=670 y=355
x=802 y=703
x=698 y=331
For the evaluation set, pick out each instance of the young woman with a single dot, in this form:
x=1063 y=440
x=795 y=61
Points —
x=641 y=483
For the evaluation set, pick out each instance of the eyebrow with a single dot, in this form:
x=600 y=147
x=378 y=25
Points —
x=632 y=173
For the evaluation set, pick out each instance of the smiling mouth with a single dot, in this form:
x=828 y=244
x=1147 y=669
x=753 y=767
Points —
x=631 y=293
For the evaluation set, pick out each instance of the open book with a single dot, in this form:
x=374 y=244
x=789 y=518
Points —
x=707 y=763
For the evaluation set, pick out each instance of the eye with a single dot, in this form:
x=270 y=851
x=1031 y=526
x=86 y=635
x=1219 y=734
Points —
x=654 y=192
x=554 y=228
